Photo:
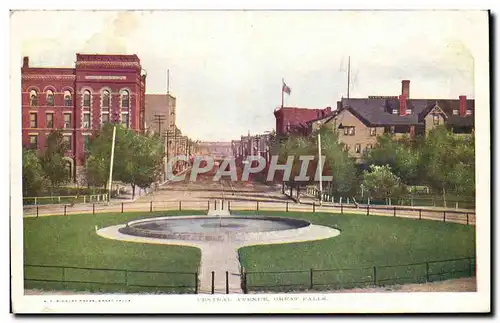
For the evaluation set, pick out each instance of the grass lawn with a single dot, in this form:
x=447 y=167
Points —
x=72 y=241
x=364 y=242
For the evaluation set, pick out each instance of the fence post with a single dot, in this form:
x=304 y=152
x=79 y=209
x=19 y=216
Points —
x=245 y=287
x=467 y=214
x=213 y=281
x=470 y=267
x=93 y=208
x=58 y=199
x=311 y=278
x=151 y=206
x=394 y=211
x=287 y=206
x=222 y=204
x=420 y=214
x=35 y=200
x=227 y=282
x=314 y=207
x=341 y=209
x=229 y=206
x=444 y=216
x=257 y=205
x=122 y=207
x=368 y=209
x=126 y=277
x=374 y=276
x=196 y=282
x=180 y=205
x=63 y=278
x=215 y=204
x=427 y=272
x=84 y=199
x=37 y=212
x=208 y=204
x=64 y=209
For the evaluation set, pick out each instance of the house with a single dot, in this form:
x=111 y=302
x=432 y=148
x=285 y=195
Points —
x=360 y=120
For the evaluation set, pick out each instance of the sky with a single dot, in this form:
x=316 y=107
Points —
x=226 y=67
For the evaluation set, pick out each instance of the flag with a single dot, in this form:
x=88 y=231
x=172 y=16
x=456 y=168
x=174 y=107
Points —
x=286 y=89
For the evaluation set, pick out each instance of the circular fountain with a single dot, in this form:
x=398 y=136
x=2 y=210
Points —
x=207 y=228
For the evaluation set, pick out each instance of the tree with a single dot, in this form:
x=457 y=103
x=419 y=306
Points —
x=402 y=155
x=138 y=158
x=34 y=180
x=380 y=182
x=53 y=162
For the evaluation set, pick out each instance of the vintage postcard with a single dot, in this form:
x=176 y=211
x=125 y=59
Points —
x=250 y=161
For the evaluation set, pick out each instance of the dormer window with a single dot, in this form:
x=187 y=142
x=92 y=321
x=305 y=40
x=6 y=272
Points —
x=455 y=112
x=408 y=111
x=436 y=119
x=468 y=112
x=373 y=131
x=395 y=111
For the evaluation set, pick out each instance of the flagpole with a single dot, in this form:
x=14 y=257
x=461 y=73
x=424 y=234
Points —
x=282 y=92
x=320 y=167
x=348 y=76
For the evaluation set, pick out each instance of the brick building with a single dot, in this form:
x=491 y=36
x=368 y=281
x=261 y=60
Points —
x=359 y=121
x=160 y=107
x=291 y=120
x=79 y=100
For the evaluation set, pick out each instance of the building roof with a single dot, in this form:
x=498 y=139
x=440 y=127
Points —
x=378 y=112
x=300 y=116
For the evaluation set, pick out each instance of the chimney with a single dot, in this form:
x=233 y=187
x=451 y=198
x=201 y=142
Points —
x=402 y=105
x=405 y=88
x=26 y=62
x=463 y=105
x=328 y=110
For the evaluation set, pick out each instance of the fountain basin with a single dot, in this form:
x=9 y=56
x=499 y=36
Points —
x=203 y=228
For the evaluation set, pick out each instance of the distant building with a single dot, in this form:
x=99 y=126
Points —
x=160 y=113
x=79 y=100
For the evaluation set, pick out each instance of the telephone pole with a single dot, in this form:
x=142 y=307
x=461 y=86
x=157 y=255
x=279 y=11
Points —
x=159 y=119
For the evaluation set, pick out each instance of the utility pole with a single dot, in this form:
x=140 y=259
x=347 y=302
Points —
x=111 y=163
x=320 y=171
x=159 y=119
x=168 y=81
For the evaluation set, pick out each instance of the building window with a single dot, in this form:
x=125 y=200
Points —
x=69 y=143
x=373 y=131
x=392 y=129
x=125 y=120
x=349 y=131
x=33 y=98
x=394 y=111
x=50 y=98
x=67 y=120
x=67 y=167
x=86 y=120
x=33 y=142
x=67 y=99
x=105 y=101
x=86 y=99
x=455 y=112
x=436 y=119
x=368 y=147
x=125 y=99
x=468 y=112
x=409 y=111
x=86 y=143
x=357 y=148
x=50 y=120
x=33 y=120
x=105 y=118
x=347 y=147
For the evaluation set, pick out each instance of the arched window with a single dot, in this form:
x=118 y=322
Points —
x=33 y=98
x=105 y=100
x=125 y=99
x=67 y=99
x=86 y=98
x=50 y=98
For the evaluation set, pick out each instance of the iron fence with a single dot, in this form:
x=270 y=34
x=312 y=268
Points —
x=318 y=279
x=257 y=206
x=51 y=277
